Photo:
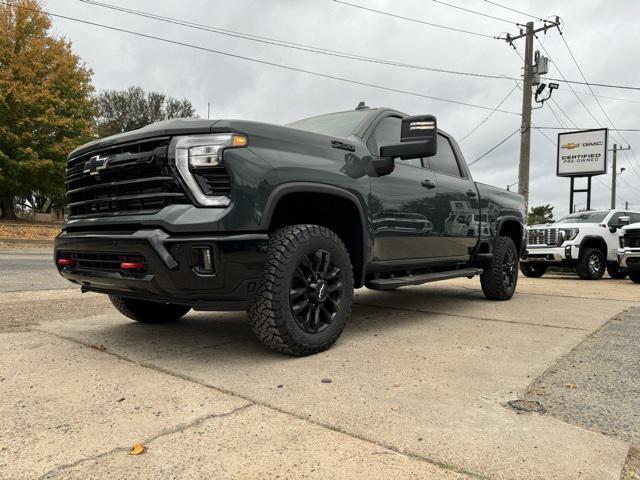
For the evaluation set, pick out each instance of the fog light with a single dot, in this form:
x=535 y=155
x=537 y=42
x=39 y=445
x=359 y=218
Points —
x=567 y=251
x=203 y=257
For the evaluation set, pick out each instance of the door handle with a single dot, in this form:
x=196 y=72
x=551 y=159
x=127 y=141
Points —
x=428 y=184
x=471 y=193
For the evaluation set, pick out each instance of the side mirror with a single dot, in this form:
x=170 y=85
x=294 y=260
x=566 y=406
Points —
x=418 y=139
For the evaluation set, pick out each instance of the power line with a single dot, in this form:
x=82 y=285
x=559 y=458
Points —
x=515 y=11
x=588 y=128
x=415 y=20
x=484 y=120
x=564 y=40
x=494 y=147
x=287 y=44
x=510 y=22
x=265 y=62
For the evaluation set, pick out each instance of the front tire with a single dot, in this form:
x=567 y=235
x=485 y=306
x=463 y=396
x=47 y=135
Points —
x=304 y=299
x=592 y=264
x=533 y=270
x=144 y=311
x=635 y=277
x=500 y=279
x=614 y=271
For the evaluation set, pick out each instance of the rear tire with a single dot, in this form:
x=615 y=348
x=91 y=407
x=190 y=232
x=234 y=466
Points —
x=614 y=271
x=533 y=270
x=304 y=299
x=144 y=311
x=592 y=264
x=635 y=277
x=500 y=280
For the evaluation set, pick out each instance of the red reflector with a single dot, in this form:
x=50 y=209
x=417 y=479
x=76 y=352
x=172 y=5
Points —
x=66 y=262
x=131 y=266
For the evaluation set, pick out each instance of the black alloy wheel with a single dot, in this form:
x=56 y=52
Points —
x=316 y=291
x=509 y=269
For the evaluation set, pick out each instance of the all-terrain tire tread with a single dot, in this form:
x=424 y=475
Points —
x=491 y=279
x=265 y=313
x=148 y=312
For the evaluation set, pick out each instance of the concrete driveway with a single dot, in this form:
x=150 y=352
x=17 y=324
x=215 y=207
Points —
x=419 y=385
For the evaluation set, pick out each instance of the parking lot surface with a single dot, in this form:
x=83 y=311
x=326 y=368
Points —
x=417 y=387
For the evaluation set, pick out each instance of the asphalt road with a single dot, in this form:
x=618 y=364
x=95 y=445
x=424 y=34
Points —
x=29 y=270
x=420 y=385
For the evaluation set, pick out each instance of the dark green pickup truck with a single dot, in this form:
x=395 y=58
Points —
x=283 y=221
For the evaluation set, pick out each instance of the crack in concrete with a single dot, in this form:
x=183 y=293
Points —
x=328 y=426
x=178 y=428
x=204 y=347
x=484 y=319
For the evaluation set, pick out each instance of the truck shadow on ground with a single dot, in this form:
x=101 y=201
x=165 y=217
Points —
x=206 y=334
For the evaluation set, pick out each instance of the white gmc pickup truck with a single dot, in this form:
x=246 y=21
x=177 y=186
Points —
x=629 y=253
x=587 y=241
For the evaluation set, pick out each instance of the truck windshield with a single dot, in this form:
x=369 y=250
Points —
x=340 y=124
x=584 y=217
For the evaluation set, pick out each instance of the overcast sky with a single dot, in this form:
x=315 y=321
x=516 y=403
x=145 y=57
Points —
x=602 y=35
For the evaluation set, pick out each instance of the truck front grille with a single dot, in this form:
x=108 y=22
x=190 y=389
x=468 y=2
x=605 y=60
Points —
x=126 y=179
x=542 y=237
x=632 y=238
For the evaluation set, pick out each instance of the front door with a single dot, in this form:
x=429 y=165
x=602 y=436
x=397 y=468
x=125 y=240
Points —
x=402 y=204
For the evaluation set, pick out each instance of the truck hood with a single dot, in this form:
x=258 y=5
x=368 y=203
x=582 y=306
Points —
x=564 y=225
x=188 y=126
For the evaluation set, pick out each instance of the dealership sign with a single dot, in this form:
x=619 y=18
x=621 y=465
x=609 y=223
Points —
x=583 y=153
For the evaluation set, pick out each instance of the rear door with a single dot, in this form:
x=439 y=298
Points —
x=458 y=220
x=402 y=204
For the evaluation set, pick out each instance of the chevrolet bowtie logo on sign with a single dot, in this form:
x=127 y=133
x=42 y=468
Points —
x=95 y=165
x=570 y=146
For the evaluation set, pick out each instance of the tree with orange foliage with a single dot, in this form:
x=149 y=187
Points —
x=46 y=105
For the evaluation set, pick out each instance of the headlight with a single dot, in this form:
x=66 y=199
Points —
x=199 y=152
x=567 y=234
x=206 y=151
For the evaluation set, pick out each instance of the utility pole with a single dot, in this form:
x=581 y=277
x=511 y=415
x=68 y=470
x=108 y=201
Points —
x=626 y=205
x=527 y=83
x=614 y=161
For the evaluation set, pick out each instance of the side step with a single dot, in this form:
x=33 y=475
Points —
x=395 y=282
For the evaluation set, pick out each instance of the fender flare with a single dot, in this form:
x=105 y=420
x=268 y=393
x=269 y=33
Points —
x=598 y=239
x=310 y=187
x=523 y=228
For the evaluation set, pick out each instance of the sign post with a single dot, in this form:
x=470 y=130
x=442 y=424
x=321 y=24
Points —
x=582 y=154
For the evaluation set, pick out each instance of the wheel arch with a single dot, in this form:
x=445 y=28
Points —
x=594 y=241
x=356 y=237
x=511 y=226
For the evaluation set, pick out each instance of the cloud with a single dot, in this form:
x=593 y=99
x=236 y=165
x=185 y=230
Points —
x=602 y=39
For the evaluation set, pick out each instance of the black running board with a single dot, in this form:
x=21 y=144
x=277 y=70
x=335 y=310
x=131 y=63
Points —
x=395 y=282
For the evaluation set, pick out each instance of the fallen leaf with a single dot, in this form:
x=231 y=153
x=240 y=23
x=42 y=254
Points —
x=2 y=448
x=570 y=386
x=137 y=449
x=100 y=348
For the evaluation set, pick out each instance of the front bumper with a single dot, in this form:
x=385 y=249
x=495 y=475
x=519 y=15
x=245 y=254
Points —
x=629 y=259
x=563 y=254
x=170 y=274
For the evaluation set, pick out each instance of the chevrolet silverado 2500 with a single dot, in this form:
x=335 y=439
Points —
x=283 y=221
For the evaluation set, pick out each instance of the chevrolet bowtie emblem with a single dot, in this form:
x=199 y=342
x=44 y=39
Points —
x=570 y=146
x=95 y=165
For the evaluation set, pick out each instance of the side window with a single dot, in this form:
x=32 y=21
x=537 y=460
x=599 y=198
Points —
x=635 y=217
x=445 y=161
x=615 y=218
x=388 y=133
